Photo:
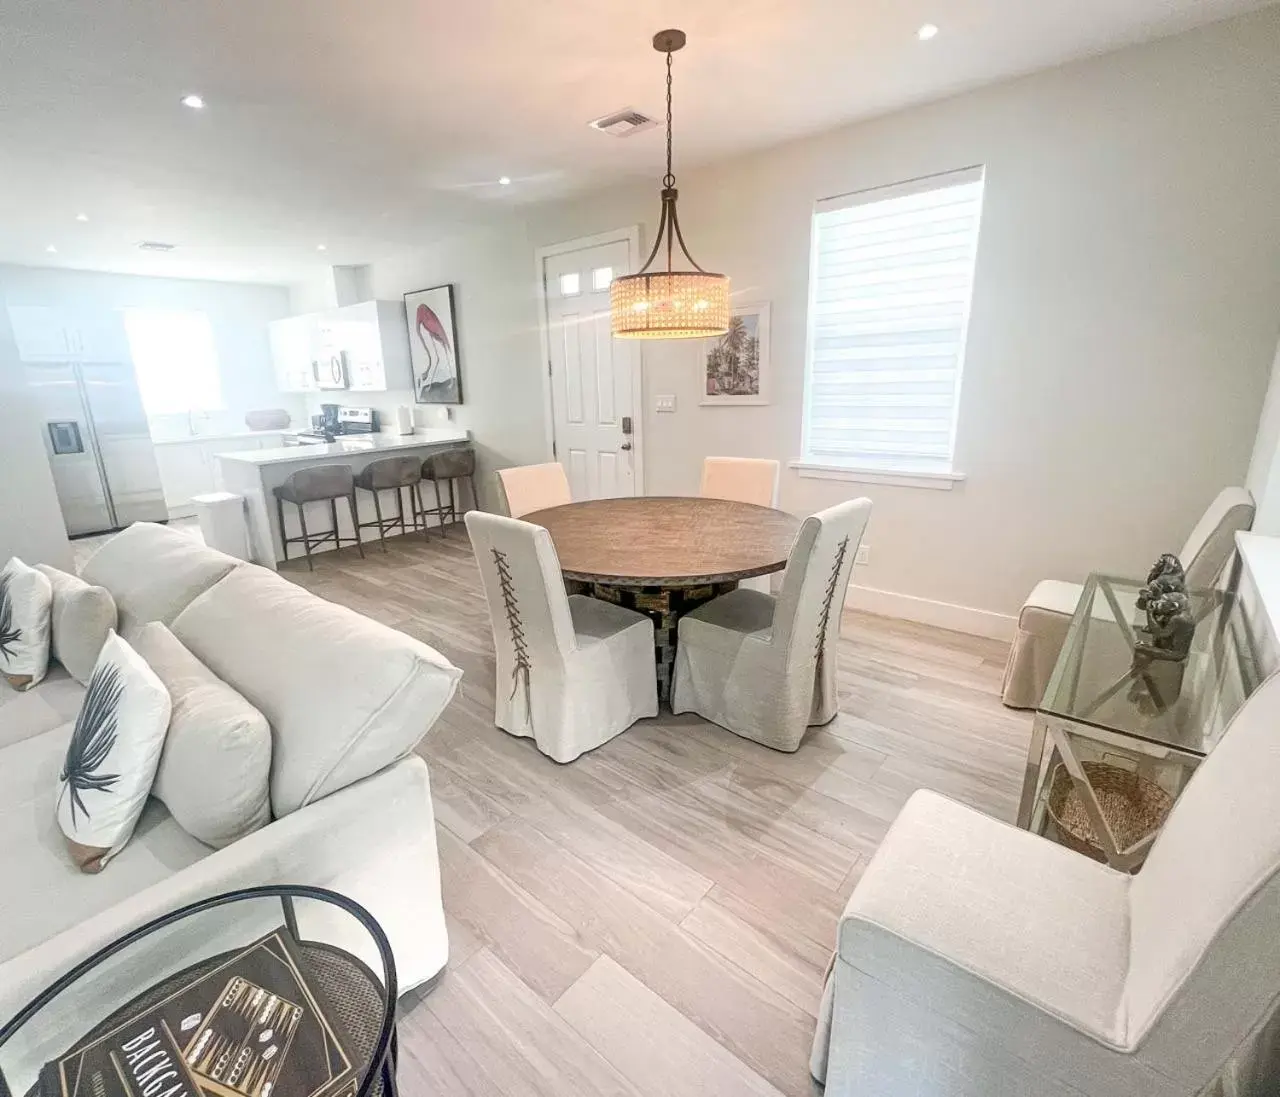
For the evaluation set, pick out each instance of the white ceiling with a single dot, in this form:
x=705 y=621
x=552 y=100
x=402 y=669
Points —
x=376 y=125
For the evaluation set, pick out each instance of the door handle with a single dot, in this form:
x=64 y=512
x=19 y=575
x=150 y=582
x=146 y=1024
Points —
x=626 y=445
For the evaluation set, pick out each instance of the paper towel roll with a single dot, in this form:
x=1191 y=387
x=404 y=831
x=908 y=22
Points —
x=404 y=419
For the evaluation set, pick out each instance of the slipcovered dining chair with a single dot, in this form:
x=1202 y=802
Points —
x=978 y=960
x=534 y=487
x=572 y=672
x=1046 y=614
x=764 y=667
x=742 y=480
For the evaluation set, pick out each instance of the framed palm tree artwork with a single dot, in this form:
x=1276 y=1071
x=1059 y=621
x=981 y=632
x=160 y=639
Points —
x=433 y=346
x=736 y=364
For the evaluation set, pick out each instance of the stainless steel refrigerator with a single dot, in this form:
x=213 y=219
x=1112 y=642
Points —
x=99 y=445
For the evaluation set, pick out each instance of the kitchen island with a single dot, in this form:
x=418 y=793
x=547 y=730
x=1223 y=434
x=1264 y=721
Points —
x=254 y=473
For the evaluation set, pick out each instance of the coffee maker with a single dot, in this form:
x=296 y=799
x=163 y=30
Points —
x=328 y=420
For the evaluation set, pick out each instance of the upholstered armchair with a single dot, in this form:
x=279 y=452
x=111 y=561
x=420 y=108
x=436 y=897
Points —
x=1046 y=614
x=978 y=960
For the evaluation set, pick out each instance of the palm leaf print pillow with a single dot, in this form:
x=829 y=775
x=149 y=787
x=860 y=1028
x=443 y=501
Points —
x=112 y=757
x=26 y=606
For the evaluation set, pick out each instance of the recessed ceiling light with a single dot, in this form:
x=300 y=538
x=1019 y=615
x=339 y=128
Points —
x=504 y=181
x=926 y=32
x=321 y=247
x=195 y=102
x=82 y=217
x=51 y=250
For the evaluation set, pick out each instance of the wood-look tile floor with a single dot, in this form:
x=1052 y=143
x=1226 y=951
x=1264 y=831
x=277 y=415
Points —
x=655 y=917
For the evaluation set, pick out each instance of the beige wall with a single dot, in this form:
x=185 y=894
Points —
x=494 y=297
x=1124 y=320
x=31 y=524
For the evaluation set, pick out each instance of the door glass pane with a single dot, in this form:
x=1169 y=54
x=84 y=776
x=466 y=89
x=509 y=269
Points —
x=601 y=277
x=570 y=284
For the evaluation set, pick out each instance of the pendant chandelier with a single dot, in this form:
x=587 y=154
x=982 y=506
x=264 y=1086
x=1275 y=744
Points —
x=669 y=304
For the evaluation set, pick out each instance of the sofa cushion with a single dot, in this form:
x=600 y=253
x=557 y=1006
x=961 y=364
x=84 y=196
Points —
x=83 y=617
x=46 y=893
x=215 y=770
x=26 y=605
x=345 y=696
x=54 y=702
x=112 y=757
x=153 y=572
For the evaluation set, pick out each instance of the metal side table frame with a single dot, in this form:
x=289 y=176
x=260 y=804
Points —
x=1149 y=730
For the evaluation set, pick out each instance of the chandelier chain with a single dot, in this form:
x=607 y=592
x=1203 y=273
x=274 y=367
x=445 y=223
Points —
x=669 y=180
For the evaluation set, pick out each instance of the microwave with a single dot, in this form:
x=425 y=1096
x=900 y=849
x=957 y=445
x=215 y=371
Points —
x=331 y=370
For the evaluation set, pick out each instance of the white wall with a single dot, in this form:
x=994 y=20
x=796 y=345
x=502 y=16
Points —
x=31 y=524
x=494 y=297
x=238 y=313
x=1124 y=316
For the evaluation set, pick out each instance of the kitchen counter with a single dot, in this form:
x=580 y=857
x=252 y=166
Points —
x=255 y=473
x=356 y=445
x=186 y=439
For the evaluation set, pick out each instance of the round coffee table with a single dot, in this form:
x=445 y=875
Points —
x=665 y=555
x=282 y=990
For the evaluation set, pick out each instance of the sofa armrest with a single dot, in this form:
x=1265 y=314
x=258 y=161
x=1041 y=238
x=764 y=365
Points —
x=1002 y=905
x=373 y=841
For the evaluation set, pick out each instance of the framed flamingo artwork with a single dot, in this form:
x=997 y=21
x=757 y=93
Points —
x=433 y=346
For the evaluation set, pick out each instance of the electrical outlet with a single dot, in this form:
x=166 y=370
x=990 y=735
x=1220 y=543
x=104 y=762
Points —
x=863 y=555
x=665 y=403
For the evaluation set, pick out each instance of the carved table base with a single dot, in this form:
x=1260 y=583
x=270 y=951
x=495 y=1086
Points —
x=664 y=606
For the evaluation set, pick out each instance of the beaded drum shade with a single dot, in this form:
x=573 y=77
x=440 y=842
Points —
x=669 y=304
x=684 y=304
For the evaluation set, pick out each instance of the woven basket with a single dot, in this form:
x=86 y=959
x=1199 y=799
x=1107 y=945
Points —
x=1133 y=807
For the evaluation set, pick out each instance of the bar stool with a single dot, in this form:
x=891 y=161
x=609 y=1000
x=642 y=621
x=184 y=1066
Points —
x=315 y=485
x=387 y=474
x=451 y=465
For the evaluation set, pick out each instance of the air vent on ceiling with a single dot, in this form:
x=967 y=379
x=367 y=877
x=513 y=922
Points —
x=156 y=245
x=623 y=123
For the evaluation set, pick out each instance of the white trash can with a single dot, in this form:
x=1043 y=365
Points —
x=222 y=522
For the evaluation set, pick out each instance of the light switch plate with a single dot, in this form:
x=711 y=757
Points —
x=863 y=555
x=665 y=403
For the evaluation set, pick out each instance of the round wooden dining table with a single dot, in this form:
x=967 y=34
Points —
x=665 y=555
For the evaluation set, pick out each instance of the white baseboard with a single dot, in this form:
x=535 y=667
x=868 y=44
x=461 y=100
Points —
x=976 y=622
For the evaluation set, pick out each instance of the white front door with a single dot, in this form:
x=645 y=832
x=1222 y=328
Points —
x=594 y=406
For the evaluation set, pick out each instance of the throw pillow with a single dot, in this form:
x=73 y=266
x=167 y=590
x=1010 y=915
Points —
x=112 y=757
x=215 y=770
x=83 y=617
x=25 y=602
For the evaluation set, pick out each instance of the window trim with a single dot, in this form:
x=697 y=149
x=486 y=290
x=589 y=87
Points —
x=935 y=479
x=916 y=478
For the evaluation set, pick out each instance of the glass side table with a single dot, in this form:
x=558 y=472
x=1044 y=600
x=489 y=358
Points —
x=277 y=991
x=1107 y=696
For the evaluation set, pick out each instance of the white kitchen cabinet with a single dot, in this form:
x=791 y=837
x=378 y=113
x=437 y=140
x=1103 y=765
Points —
x=190 y=468
x=47 y=334
x=39 y=333
x=376 y=339
x=185 y=472
x=295 y=343
x=372 y=337
x=99 y=336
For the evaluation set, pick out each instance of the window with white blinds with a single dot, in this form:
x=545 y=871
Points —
x=889 y=293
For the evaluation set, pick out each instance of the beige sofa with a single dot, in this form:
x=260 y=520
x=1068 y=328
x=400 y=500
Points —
x=347 y=700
